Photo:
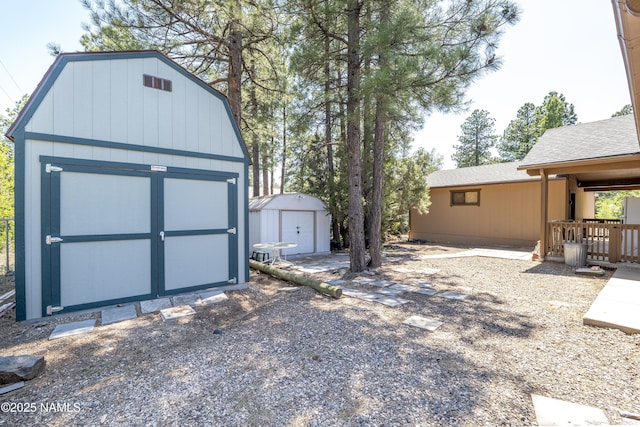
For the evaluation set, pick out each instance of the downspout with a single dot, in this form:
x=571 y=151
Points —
x=627 y=17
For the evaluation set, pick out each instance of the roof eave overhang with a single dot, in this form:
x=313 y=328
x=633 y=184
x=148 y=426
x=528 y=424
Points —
x=484 y=184
x=627 y=16
x=625 y=161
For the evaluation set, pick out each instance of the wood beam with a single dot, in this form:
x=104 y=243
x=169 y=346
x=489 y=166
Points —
x=622 y=162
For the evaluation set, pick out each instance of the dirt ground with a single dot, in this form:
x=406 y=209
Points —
x=301 y=358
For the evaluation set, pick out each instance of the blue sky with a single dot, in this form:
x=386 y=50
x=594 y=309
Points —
x=569 y=46
x=26 y=26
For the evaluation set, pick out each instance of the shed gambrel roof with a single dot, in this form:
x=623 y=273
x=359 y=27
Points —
x=585 y=141
x=497 y=173
x=64 y=59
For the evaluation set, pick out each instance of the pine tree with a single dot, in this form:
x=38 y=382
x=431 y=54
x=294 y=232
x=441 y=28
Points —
x=520 y=135
x=627 y=109
x=554 y=112
x=226 y=43
x=477 y=139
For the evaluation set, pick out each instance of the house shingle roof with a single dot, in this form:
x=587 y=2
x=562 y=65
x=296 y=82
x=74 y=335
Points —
x=477 y=175
x=605 y=138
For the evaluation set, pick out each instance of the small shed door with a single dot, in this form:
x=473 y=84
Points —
x=116 y=234
x=298 y=227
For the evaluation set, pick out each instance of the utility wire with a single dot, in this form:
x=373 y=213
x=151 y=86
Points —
x=10 y=76
x=5 y=92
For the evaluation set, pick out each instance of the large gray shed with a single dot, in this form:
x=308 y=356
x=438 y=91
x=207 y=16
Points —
x=293 y=217
x=131 y=183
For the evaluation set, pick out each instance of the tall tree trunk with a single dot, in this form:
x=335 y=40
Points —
x=354 y=156
x=333 y=206
x=344 y=230
x=375 y=211
x=367 y=147
x=234 y=79
x=265 y=171
x=255 y=146
x=271 y=175
x=284 y=146
x=477 y=151
x=255 y=168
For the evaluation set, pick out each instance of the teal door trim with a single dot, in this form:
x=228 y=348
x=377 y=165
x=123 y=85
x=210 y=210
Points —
x=231 y=180
x=50 y=225
x=51 y=250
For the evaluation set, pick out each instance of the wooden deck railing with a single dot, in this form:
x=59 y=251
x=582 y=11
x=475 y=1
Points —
x=607 y=240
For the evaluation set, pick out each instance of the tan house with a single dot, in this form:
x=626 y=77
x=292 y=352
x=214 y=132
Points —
x=554 y=202
x=489 y=205
x=546 y=197
x=596 y=156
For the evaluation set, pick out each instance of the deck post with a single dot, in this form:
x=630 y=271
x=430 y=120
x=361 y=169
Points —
x=615 y=241
x=544 y=216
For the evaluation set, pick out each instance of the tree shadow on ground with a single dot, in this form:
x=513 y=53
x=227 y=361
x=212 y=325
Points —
x=561 y=269
x=297 y=359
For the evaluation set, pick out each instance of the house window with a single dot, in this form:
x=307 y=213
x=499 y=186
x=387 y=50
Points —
x=156 y=82
x=469 y=197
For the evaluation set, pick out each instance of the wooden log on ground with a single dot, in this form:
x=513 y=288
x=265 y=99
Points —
x=319 y=286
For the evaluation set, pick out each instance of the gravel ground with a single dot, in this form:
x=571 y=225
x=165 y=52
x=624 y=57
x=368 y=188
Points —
x=300 y=358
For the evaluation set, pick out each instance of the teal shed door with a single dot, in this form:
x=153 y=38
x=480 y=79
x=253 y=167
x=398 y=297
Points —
x=199 y=232
x=116 y=234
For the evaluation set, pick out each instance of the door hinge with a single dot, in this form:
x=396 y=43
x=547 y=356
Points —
x=49 y=240
x=233 y=280
x=232 y=230
x=50 y=168
x=52 y=309
x=232 y=181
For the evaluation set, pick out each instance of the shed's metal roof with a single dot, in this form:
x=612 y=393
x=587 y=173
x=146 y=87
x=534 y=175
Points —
x=477 y=175
x=287 y=201
x=605 y=138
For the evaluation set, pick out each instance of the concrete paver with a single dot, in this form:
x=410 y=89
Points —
x=618 y=303
x=151 y=306
x=73 y=328
x=404 y=288
x=453 y=295
x=423 y=284
x=426 y=291
x=423 y=323
x=554 y=412
x=189 y=299
x=389 y=291
x=177 y=312
x=485 y=252
x=388 y=300
x=118 y=314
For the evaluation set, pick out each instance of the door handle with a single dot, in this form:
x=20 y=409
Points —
x=162 y=236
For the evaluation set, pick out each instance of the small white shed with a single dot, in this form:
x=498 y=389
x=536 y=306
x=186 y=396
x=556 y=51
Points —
x=131 y=184
x=292 y=217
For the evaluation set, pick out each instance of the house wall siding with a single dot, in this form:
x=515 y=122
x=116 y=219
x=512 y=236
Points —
x=508 y=214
